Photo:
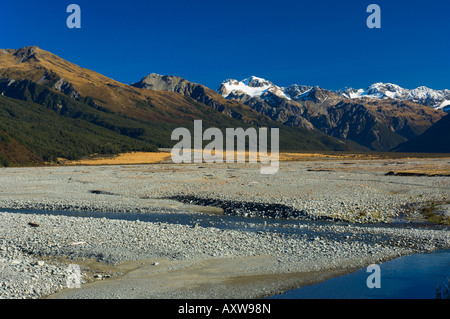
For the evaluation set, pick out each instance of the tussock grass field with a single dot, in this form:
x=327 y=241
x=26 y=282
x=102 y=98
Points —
x=122 y=159
x=165 y=157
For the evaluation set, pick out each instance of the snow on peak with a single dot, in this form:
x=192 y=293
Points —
x=296 y=91
x=255 y=81
x=421 y=95
x=253 y=86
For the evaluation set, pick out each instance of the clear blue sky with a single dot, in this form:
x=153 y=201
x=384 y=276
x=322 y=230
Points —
x=321 y=42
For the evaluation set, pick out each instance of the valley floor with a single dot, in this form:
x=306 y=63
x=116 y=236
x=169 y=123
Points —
x=142 y=259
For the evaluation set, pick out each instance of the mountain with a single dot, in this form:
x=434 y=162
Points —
x=255 y=87
x=267 y=99
x=51 y=125
x=51 y=108
x=378 y=125
x=306 y=135
x=434 y=140
x=438 y=99
x=200 y=93
x=375 y=123
x=258 y=87
x=252 y=86
x=45 y=68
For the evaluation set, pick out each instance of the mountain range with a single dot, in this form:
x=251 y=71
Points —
x=375 y=121
x=56 y=109
x=52 y=108
x=255 y=86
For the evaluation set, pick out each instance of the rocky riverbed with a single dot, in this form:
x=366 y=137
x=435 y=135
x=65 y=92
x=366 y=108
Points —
x=37 y=249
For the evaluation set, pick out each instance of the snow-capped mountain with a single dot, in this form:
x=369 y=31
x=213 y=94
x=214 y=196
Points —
x=438 y=99
x=297 y=91
x=259 y=87
x=253 y=87
x=378 y=118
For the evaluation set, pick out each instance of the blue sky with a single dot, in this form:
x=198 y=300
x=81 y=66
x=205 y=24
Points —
x=322 y=42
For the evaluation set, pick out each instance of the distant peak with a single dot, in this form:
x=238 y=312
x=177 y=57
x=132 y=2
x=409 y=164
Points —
x=252 y=86
x=32 y=47
x=255 y=78
x=154 y=75
x=28 y=50
x=254 y=81
x=161 y=77
x=420 y=95
x=156 y=81
x=27 y=53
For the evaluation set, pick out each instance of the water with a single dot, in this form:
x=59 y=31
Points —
x=408 y=277
x=253 y=224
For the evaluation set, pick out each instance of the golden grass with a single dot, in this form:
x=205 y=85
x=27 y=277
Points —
x=122 y=159
x=160 y=157
x=288 y=157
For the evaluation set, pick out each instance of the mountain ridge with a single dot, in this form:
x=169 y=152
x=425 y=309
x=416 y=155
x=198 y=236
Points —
x=377 y=123
x=438 y=99
x=143 y=113
x=69 y=111
x=433 y=140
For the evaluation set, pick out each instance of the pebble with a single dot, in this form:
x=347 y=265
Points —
x=306 y=196
x=114 y=246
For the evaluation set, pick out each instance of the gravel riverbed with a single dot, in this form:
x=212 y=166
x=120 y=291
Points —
x=37 y=249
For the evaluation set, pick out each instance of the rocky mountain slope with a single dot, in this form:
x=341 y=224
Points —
x=45 y=68
x=376 y=123
x=54 y=108
x=258 y=87
x=51 y=108
x=434 y=140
